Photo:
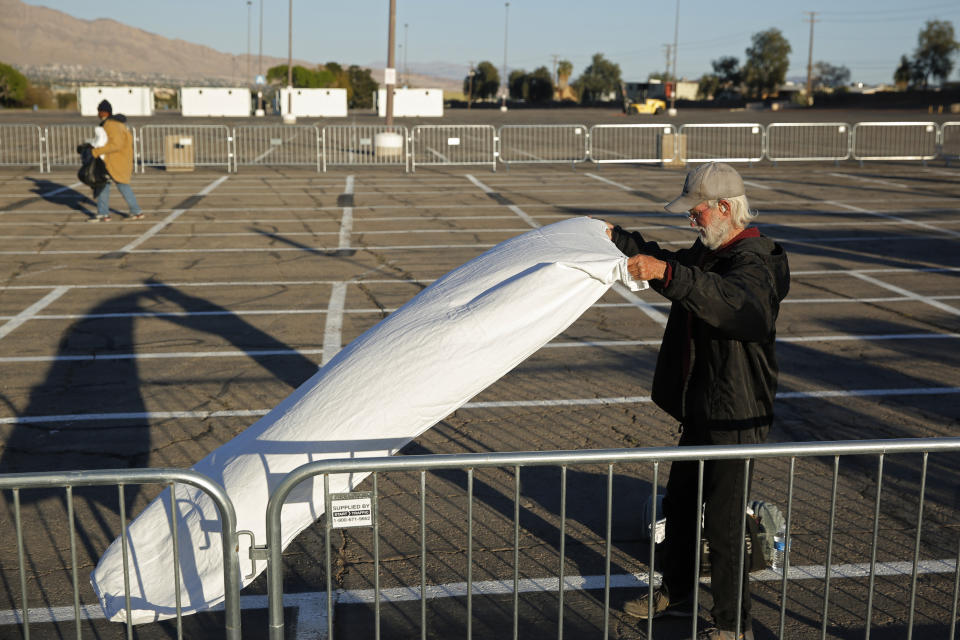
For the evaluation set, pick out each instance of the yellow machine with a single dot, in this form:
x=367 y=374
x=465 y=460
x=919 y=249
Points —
x=650 y=106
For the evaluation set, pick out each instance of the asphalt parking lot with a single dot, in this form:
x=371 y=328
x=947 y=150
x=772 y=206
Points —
x=151 y=342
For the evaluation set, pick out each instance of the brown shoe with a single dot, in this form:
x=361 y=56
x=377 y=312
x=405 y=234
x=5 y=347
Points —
x=663 y=605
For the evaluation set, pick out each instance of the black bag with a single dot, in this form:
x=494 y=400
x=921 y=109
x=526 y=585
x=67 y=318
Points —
x=92 y=172
x=753 y=554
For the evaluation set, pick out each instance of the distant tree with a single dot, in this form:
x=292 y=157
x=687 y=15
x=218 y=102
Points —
x=517 y=84
x=42 y=97
x=767 y=61
x=903 y=75
x=728 y=72
x=825 y=75
x=363 y=86
x=935 y=49
x=708 y=87
x=13 y=86
x=303 y=78
x=662 y=76
x=540 y=85
x=601 y=77
x=564 y=71
x=486 y=81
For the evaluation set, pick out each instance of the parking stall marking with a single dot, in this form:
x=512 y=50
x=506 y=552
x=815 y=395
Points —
x=811 y=394
x=332 y=341
x=908 y=294
x=311 y=607
x=31 y=311
x=157 y=228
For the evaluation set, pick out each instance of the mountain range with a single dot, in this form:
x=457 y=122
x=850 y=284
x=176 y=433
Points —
x=50 y=45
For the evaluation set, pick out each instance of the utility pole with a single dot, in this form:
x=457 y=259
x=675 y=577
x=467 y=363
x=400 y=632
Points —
x=813 y=16
x=390 y=74
x=666 y=66
x=556 y=78
x=406 y=54
x=506 y=81
x=249 y=3
x=289 y=118
x=676 y=31
x=260 y=111
x=470 y=92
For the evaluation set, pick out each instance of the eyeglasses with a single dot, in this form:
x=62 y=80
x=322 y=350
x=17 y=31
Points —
x=695 y=213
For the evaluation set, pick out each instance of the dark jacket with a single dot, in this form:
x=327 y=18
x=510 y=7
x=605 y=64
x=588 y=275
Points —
x=717 y=366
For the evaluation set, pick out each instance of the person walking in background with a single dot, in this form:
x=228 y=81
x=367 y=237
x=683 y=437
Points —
x=117 y=155
x=716 y=374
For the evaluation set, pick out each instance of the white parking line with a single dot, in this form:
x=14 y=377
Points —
x=346 y=220
x=496 y=404
x=874 y=180
x=908 y=294
x=523 y=215
x=312 y=606
x=331 y=333
x=897 y=218
x=31 y=311
x=155 y=229
x=334 y=324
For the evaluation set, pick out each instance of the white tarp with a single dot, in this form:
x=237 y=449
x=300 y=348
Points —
x=385 y=388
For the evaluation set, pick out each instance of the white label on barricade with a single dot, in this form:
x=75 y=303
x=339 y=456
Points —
x=351 y=510
x=365 y=142
x=276 y=142
x=453 y=142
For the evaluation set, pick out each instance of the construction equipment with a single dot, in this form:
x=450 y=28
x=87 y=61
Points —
x=643 y=98
x=650 y=106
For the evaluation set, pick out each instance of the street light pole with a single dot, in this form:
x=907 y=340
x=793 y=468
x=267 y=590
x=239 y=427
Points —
x=249 y=3
x=391 y=82
x=289 y=118
x=506 y=81
x=406 y=52
x=260 y=110
x=676 y=82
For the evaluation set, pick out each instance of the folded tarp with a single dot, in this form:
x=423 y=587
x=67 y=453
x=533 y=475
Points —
x=385 y=388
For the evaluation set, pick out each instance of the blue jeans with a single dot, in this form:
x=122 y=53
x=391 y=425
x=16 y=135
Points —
x=103 y=199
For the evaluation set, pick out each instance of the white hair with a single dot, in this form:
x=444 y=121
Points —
x=740 y=213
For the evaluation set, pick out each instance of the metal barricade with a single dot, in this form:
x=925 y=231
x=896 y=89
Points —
x=62 y=141
x=730 y=142
x=633 y=143
x=894 y=141
x=67 y=481
x=545 y=143
x=21 y=145
x=183 y=147
x=950 y=141
x=897 y=509
x=454 y=145
x=287 y=145
x=808 y=141
x=362 y=145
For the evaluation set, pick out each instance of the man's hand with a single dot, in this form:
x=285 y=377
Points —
x=644 y=267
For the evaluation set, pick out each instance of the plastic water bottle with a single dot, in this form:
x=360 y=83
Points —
x=779 y=548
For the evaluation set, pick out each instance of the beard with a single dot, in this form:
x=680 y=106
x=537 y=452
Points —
x=712 y=236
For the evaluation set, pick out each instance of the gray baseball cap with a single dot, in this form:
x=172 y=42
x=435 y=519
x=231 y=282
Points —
x=711 y=181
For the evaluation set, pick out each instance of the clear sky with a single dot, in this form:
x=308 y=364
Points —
x=866 y=36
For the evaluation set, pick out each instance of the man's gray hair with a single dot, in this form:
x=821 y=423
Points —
x=740 y=213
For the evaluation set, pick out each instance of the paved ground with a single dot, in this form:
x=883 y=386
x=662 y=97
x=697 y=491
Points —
x=149 y=343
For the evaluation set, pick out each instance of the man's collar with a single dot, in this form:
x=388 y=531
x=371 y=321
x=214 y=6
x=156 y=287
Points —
x=749 y=232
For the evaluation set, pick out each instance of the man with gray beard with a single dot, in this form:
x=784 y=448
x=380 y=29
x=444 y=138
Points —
x=716 y=375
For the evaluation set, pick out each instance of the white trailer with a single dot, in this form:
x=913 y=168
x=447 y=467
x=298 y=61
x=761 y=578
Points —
x=130 y=101
x=315 y=103
x=215 y=102
x=409 y=103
